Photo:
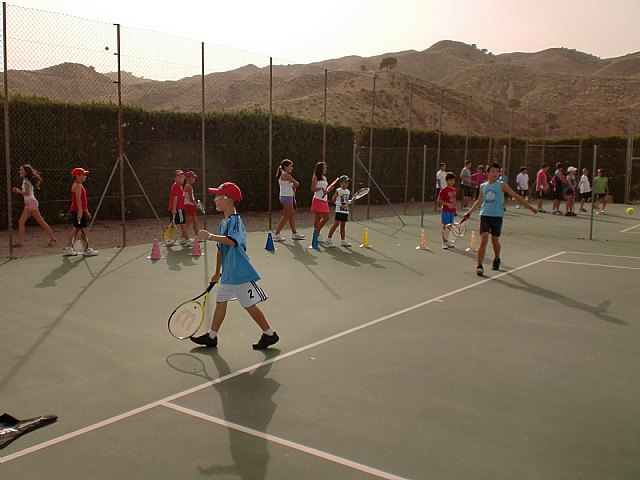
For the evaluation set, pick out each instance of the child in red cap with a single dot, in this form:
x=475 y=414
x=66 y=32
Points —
x=176 y=206
x=79 y=215
x=234 y=273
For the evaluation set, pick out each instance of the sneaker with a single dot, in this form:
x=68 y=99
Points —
x=517 y=207
x=190 y=242
x=265 y=341
x=182 y=241
x=480 y=270
x=567 y=214
x=297 y=236
x=496 y=264
x=557 y=212
x=328 y=243
x=445 y=246
x=450 y=244
x=278 y=238
x=583 y=210
x=90 y=252
x=69 y=252
x=542 y=210
x=345 y=243
x=205 y=340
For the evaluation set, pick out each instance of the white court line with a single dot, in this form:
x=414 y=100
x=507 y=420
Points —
x=630 y=228
x=601 y=255
x=594 y=264
x=255 y=366
x=287 y=443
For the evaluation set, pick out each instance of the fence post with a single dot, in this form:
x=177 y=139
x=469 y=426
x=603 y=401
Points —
x=7 y=152
x=270 y=135
x=424 y=179
x=406 y=174
x=121 y=143
x=373 y=112
x=593 y=191
x=204 y=135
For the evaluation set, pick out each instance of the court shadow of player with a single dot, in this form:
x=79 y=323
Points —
x=246 y=401
x=599 y=311
x=351 y=257
x=177 y=257
x=57 y=273
x=300 y=252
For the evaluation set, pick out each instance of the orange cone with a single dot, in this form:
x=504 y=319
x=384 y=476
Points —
x=422 y=244
x=155 y=251
x=195 y=250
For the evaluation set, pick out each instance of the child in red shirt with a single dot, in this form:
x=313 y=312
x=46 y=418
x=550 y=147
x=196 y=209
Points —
x=447 y=199
x=176 y=206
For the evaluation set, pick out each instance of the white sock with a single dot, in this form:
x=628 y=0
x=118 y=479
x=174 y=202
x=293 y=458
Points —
x=268 y=331
x=212 y=334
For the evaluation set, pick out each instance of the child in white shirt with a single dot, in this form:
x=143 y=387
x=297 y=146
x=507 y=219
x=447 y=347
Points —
x=341 y=200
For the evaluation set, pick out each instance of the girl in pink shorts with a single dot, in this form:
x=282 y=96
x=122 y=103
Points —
x=31 y=179
x=320 y=202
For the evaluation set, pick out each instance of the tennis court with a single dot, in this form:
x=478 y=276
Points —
x=393 y=362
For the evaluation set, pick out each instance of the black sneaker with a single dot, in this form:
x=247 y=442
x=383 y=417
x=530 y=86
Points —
x=496 y=264
x=265 y=341
x=205 y=340
x=480 y=270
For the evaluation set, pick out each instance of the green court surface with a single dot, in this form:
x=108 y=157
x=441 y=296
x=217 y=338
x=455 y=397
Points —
x=393 y=362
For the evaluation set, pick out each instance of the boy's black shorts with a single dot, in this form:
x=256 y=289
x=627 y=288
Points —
x=83 y=220
x=342 y=217
x=467 y=191
x=492 y=225
x=180 y=217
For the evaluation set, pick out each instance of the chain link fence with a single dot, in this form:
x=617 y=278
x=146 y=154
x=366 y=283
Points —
x=133 y=105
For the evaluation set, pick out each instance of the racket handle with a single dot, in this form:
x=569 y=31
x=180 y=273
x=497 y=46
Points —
x=211 y=285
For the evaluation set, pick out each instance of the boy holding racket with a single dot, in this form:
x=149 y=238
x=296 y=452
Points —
x=79 y=215
x=447 y=200
x=234 y=273
x=176 y=206
x=491 y=203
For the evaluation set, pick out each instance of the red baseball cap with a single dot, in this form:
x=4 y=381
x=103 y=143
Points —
x=78 y=171
x=190 y=173
x=178 y=172
x=229 y=189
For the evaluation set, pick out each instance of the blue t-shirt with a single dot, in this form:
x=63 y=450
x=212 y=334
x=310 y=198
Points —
x=492 y=206
x=236 y=266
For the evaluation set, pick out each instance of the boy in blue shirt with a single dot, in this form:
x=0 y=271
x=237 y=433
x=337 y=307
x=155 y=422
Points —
x=234 y=273
x=491 y=202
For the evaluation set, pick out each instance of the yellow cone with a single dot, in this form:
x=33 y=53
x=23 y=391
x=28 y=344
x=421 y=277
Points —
x=365 y=239
x=422 y=244
x=472 y=242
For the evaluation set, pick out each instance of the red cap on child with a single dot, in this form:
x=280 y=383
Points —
x=229 y=189
x=78 y=171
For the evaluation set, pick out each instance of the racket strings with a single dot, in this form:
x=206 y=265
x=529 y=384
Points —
x=186 y=320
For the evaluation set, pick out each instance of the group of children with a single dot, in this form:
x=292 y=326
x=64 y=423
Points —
x=183 y=206
x=80 y=215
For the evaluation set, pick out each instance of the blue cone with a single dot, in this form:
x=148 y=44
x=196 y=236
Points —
x=314 y=241
x=270 y=247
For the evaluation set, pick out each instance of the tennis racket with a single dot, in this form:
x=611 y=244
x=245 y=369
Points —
x=186 y=319
x=333 y=184
x=200 y=206
x=457 y=230
x=80 y=244
x=359 y=194
x=170 y=234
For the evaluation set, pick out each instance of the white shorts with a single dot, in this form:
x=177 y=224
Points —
x=248 y=294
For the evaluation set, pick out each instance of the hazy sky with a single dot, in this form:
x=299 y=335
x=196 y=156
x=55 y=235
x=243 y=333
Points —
x=304 y=31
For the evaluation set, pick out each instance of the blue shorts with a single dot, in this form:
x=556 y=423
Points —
x=286 y=201
x=448 y=217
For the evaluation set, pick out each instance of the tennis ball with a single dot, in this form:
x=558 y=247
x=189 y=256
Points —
x=630 y=211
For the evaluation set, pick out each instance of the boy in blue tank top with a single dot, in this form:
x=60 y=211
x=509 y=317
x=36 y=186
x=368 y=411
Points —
x=491 y=203
x=234 y=273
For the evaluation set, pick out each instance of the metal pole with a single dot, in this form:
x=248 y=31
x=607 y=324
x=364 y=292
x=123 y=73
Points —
x=7 y=153
x=324 y=120
x=424 y=180
x=353 y=178
x=526 y=144
x=493 y=108
x=406 y=174
x=123 y=214
x=204 y=137
x=435 y=203
x=546 y=132
x=627 y=183
x=580 y=143
x=270 y=135
x=593 y=192
x=373 y=112
x=510 y=137
x=466 y=138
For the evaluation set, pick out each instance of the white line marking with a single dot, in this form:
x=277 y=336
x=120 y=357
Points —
x=287 y=443
x=250 y=368
x=601 y=255
x=594 y=264
x=630 y=228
